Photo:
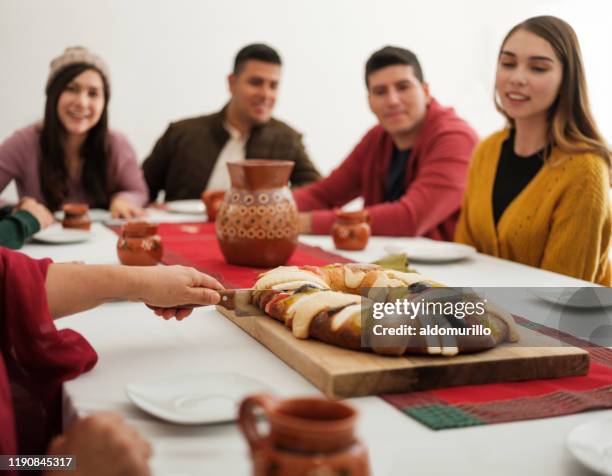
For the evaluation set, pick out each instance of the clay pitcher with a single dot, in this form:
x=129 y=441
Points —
x=257 y=222
x=307 y=437
x=351 y=230
x=139 y=244
x=212 y=201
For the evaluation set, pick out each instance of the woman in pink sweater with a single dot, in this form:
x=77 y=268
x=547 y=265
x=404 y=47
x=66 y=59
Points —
x=73 y=156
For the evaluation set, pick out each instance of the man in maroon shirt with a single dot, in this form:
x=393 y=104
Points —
x=410 y=168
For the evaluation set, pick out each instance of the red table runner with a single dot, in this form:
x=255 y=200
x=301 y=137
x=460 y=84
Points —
x=196 y=245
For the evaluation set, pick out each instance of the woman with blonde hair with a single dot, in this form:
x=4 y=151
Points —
x=538 y=190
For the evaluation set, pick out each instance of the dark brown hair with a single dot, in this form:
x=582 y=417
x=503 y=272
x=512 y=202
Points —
x=94 y=151
x=258 y=52
x=571 y=126
x=390 y=56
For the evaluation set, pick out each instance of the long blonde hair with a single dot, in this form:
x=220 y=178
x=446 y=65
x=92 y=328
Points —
x=571 y=126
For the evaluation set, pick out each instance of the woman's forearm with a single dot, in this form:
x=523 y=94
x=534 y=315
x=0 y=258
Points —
x=73 y=288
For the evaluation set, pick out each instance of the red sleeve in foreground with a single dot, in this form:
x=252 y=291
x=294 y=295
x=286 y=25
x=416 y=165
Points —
x=35 y=357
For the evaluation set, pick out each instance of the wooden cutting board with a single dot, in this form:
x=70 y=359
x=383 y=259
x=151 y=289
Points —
x=341 y=373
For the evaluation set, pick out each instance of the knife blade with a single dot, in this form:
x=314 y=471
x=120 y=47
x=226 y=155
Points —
x=239 y=301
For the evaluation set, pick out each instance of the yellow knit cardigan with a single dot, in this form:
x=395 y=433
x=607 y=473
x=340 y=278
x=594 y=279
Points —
x=560 y=221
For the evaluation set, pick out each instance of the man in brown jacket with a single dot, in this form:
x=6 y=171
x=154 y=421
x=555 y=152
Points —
x=192 y=154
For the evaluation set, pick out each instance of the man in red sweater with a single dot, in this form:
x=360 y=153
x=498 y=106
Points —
x=410 y=169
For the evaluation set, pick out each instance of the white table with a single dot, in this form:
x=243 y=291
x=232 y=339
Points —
x=133 y=345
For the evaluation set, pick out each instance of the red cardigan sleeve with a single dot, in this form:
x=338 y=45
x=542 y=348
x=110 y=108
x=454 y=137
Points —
x=340 y=187
x=37 y=358
x=434 y=194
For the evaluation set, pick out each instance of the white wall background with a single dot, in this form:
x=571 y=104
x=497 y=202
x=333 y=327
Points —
x=169 y=58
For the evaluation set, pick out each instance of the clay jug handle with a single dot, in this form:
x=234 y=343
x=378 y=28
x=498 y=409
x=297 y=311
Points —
x=247 y=418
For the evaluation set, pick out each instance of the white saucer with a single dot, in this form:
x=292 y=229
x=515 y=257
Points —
x=591 y=444
x=580 y=298
x=57 y=235
x=95 y=215
x=191 y=207
x=432 y=251
x=195 y=399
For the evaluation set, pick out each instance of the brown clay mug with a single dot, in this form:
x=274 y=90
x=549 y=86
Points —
x=76 y=215
x=351 y=230
x=212 y=201
x=307 y=436
x=139 y=244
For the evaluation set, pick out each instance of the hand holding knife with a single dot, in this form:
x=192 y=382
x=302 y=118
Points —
x=237 y=300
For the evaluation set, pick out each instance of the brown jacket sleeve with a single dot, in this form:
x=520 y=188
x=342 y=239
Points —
x=304 y=171
x=155 y=166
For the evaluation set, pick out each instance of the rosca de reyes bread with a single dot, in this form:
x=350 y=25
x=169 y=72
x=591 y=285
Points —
x=324 y=303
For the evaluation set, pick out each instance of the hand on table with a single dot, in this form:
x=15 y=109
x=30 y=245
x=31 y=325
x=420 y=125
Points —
x=103 y=445
x=37 y=210
x=122 y=208
x=167 y=288
x=305 y=223
x=157 y=206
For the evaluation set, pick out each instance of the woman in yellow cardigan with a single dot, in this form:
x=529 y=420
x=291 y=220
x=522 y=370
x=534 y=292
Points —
x=538 y=191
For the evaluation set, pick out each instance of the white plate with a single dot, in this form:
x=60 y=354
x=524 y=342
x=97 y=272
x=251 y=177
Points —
x=580 y=298
x=191 y=207
x=432 y=251
x=95 y=215
x=195 y=399
x=57 y=235
x=591 y=444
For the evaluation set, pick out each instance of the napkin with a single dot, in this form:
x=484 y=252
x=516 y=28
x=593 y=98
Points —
x=397 y=262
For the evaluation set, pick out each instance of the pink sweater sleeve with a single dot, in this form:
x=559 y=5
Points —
x=435 y=193
x=128 y=178
x=11 y=157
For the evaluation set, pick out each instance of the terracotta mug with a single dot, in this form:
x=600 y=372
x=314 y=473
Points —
x=76 y=215
x=139 y=244
x=308 y=436
x=351 y=230
x=212 y=201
